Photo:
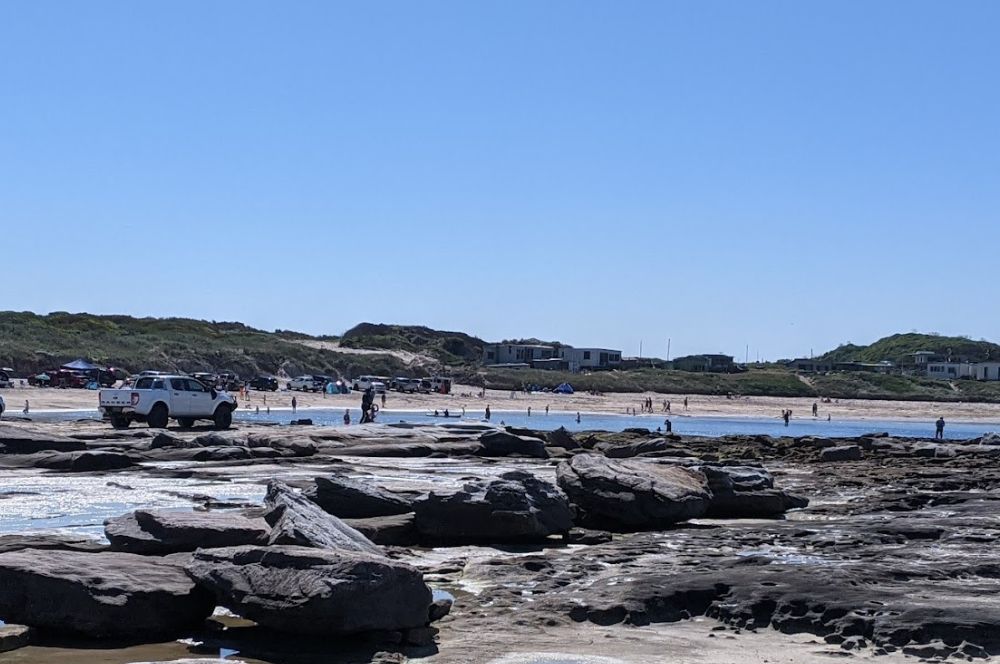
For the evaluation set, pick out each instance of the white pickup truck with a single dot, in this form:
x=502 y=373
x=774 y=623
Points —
x=157 y=399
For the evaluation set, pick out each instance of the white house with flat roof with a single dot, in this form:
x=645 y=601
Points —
x=582 y=359
x=986 y=371
x=950 y=370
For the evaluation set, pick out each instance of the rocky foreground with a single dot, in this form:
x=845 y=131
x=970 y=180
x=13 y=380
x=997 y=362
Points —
x=466 y=543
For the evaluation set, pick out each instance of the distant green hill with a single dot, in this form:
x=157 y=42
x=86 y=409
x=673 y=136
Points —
x=453 y=348
x=897 y=346
x=32 y=343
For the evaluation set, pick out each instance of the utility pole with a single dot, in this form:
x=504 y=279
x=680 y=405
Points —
x=640 y=349
x=746 y=359
x=668 y=349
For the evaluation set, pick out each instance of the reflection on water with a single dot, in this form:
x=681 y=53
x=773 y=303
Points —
x=80 y=504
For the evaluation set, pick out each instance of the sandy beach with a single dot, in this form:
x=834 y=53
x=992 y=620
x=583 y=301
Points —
x=466 y=396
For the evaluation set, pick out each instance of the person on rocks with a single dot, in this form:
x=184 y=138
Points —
x=487 y=412
x=939 y=429
x=347 y=416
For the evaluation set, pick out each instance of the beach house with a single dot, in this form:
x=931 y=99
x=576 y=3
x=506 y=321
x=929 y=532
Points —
x=711 y=363
x=511 y=353
x=583 y=359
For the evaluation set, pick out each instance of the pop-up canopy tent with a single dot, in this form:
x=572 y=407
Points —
x=80 y=365
x=564 y=388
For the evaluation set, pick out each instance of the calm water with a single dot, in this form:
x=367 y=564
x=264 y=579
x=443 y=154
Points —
x=700 y=426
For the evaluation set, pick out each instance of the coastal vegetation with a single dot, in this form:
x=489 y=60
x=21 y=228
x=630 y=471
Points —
x=896 y=347
x=31 y=343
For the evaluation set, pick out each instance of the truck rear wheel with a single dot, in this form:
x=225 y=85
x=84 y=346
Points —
x=119 y=421
x=158 y=417
x=223 y=417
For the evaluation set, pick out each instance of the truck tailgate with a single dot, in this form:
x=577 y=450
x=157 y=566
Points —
x=118 y=398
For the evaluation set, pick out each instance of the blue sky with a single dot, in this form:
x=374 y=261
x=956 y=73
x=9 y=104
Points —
x=783 y=175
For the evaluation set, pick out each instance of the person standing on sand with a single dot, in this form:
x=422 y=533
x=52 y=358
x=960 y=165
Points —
x=939 y=429
x=685 y=403
x=27 y=407
x=487 y=412
x=295 y=403
x=668 y=406
x=383 y=399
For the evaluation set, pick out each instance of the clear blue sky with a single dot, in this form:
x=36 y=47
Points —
x=788 y=175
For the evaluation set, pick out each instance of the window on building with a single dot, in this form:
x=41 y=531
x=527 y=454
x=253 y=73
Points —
x=586 y=354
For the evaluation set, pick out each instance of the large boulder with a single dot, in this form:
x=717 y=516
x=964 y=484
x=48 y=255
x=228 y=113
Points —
x=746 y=492
x=632 y=494
x=516 y=507
x=13 y=637
x=503 y=443
x=841 y=453
x=312 y=591
x=100 y=595
x=60 y=541
x=166 y=531
x=350 y=499
x=647 y=447
x=85 y=462
x=296 y=520
x=395 y=530
x=562 y=438
x=15 y=439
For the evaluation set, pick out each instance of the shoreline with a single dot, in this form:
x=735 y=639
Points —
x=56 y=401
x=471 y=413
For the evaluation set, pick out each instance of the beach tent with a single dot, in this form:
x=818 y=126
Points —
x=564 y=388
x=80 y=365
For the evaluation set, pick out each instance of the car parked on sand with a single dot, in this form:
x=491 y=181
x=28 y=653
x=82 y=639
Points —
x=264 y=383
x=157 y=399
x=309 y=383
x=362 y=383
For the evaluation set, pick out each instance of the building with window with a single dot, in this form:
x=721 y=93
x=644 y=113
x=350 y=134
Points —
x=517 y=353
x=809 y=365
x=712 y=363
x=950 y=370
x=583 y=359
